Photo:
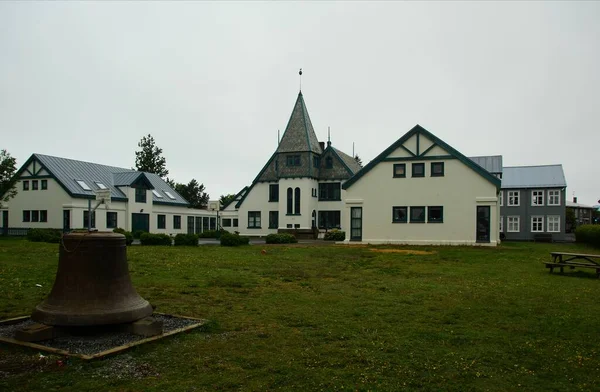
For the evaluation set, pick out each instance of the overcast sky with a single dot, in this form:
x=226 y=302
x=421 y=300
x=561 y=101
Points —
x=213 y=82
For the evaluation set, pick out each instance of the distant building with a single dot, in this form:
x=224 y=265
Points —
x=584 y=214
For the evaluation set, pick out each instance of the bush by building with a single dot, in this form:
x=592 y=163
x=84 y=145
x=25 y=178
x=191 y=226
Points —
x=155 y=239
x=127 y=234
x=44 y=235
x=229 y=239
x=335 y=235
x=588 y=234
x=280 y=238
x=186 y=240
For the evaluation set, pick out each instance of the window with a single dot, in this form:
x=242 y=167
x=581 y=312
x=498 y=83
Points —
x=35 y=216
x=176 y=221
x=235 y=222
x=501 y=224
x=417 y=214
x=435 y=214
x=399 y=214
x=111 y=220
x=316 y=162
x=554 y=224
x=513 y=223
x=330 y=191
x=44 y=184
x=296 y=225
x=329 y=219
x=328 y=163
x=26 y=186
x=537 y=224
x=161 y=222
x=500 y=198
x=274 y=192
x=537 y=198
x=205 y=224
x=155 y=193
x=140 y=195
x=554 y=198
x=289 y=226
x=213 y=223
x=254 y=219
x=399 y=170
x=34 y=185
x=273 y=219
x=44 y=216
x=297 y=201
x=513 y=198
x=437 y=169
x=290 y=201
x=169 y=195
x=83 y=185
x=226 y=222
x=101 y=185
x=314 y=192
x=26 y=216
x=85 y=218
x=418 y=170
x=292 y=160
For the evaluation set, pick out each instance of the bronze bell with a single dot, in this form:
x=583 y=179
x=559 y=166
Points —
x=92 y=285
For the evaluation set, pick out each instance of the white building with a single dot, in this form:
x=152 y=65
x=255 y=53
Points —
x=53 y=192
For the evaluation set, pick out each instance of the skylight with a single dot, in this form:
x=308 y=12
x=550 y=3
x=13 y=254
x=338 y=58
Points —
x=170 y=195
x=83 y=185
x=155 y=193
x=101 y=185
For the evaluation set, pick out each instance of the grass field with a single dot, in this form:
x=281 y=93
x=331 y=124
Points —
x=332 y=318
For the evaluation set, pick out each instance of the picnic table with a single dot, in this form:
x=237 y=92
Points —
x=573 y=260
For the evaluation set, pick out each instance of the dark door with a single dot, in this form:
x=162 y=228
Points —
x=66 y=220
x=5 y=222
x=140 y=222
x=483 y=224
x=356 y=224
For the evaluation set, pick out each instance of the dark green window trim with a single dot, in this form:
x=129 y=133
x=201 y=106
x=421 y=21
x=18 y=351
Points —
x=35 y=216
x=273 y=192
x=416 y=166
x=26 y=216
x=111 y=220
x=434 y=211
x=329 y=163
x=273 y=219
x=34 y=185
x=292 y=160
x=176 y=221
x=44 y=184
x=43 y=215
x=161 y=222
x=420 y=218
x=25 y=185
x=330 y=191
x=254 y=221
x=85 y=218
x=400 y=214
x=140 y=195
x=293 y=214
x=399 y=170
x=434 y=168
x=235 y=223
x=415 y=158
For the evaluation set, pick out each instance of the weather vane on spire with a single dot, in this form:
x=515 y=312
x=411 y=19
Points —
x=300 y=73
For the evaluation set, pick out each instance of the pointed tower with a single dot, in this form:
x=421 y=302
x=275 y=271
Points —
x=299 y=135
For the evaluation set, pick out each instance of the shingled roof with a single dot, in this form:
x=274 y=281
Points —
x=299 y=134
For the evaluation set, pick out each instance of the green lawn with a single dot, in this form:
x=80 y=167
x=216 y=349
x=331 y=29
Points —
x=332 y=318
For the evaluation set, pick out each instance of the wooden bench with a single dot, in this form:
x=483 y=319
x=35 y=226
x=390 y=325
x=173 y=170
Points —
x=542 y=237
x=563 y=259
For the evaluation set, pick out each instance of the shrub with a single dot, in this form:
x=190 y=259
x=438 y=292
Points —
x=335 y=235
x=186 y=240
x=281 y=238
x=588 y=234
x=127 y=234
x=212 y=233
x=44 y=235
x=138 y=234
x=155 y=239
x=230 y=239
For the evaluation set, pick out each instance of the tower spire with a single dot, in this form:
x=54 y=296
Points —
x=328 y=136
x=300 y=73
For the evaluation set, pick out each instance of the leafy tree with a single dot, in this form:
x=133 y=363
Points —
x=194 y=193
x=8 y=168
x=226 y=199
x=358 y=160
x=571 y=221
x=149 y=158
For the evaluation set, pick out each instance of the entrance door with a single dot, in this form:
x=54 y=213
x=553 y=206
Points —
x=483 y=224
x=356 y=223
x=5 y=222
x=66 y=220
x=140 y=222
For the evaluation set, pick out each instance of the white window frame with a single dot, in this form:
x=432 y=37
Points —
x=536 y=194
x=83 y=185
x=515 y=218
x=551 y=193
x=155 y=193
x=501 y=198
x=169 y=195
x=557 y=223
x=513 y=194
x=501 y=224
x=541 y=223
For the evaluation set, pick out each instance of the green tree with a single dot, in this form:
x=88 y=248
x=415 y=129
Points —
x=149 y=158
x=226 y=199
x=8 y=168
x=358 y=160
x=571 y=221
x=194 y=193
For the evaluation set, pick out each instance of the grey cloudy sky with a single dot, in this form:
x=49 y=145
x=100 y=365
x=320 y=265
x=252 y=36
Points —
x=213 y=82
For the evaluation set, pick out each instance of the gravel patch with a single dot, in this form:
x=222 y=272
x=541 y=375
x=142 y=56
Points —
x=93 y=340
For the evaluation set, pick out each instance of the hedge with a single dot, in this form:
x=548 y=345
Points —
x=186 y=240
x=212 y=233
x=588 y=234
x=45 y=235
x=127 y=234
x=155 y=239
x=281 y=238
x=335 y=235
x=230 y=239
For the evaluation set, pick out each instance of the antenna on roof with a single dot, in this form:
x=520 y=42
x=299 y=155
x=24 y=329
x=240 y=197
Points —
x=328 y=136
x=300 y=73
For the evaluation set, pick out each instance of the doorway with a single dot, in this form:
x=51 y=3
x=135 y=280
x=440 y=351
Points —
x=483 y=224
x=356 y=223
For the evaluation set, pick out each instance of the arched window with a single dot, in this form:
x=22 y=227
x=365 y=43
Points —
x=297 y=202
x=290 y=201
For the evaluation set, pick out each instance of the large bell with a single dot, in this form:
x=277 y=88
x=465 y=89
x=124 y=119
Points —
x=92 y=285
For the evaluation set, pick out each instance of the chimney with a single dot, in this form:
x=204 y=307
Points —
x=322 y=144
x=574 y=199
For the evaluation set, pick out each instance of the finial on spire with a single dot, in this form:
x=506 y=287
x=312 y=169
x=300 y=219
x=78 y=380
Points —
x=300 y=73
x=328 y=136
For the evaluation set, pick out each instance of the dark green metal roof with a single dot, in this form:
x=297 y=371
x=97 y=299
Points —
x=299 y=134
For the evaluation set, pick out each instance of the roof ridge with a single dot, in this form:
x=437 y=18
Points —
x=79 y=160
x=549 y=165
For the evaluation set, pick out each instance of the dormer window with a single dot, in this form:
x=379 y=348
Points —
x=328 y=163
x=292 y=160
x=169 y=195
x=83 y=185
x=155 y=193
x=140 y=195
x=101 y=185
